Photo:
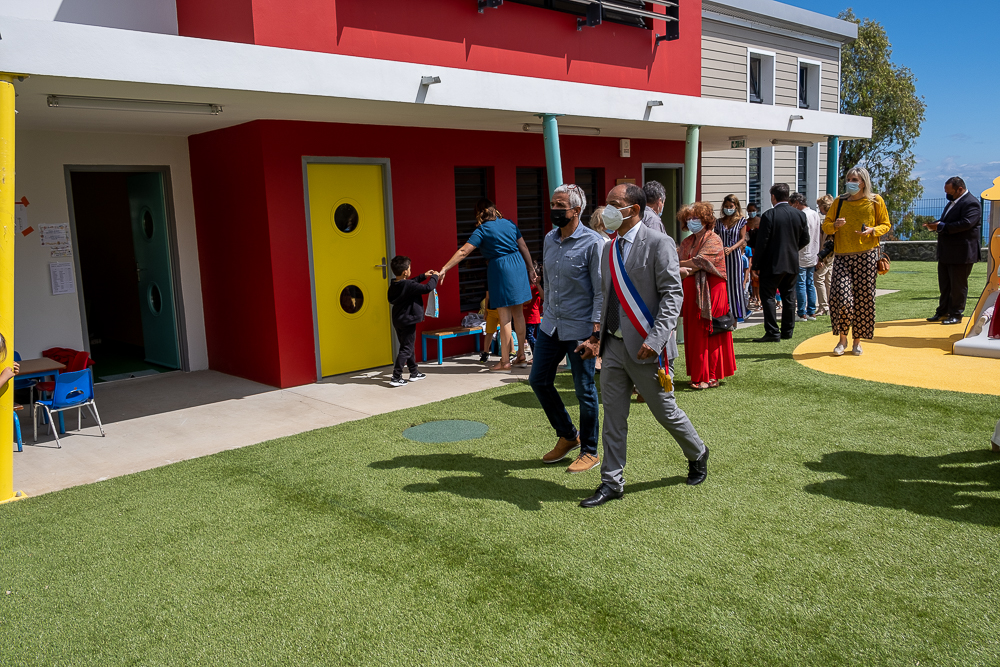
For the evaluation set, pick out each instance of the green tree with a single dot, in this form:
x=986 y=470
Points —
x=911 y=228
x=872 y=85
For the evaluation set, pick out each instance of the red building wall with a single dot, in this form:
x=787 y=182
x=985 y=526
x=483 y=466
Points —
x=514 y=39
x=251 y=221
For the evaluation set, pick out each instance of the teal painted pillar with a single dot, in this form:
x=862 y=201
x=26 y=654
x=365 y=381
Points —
x=691 y=164
x=832 y=164
x=553 y=161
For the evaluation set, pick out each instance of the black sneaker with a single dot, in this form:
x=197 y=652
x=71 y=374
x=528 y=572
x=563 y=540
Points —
x=484 y=357
x=416 y=376
x=397 y=382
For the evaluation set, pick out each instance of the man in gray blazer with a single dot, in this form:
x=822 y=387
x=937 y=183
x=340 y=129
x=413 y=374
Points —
x=627 y=358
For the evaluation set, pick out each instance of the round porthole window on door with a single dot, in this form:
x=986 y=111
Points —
x=346 y=218
x=351 y=299
x=147 y=224
x=155 y=298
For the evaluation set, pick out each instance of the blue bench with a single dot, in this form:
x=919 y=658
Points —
x=442 y=334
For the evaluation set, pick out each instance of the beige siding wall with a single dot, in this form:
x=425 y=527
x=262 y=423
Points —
x=822 y=172
x=724 y=63
x=723 y=173
x=723 y=69
x=784 y=165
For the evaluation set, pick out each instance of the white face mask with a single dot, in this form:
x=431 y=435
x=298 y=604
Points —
x=728 y=211
x=613 y=217
x=853 y=188
x=695 y=226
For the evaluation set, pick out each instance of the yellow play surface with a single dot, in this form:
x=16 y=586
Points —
x=913 y=353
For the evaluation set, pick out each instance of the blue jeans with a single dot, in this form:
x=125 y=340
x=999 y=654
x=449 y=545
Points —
x=549 y=351
x=805 y=289
x=531 y=333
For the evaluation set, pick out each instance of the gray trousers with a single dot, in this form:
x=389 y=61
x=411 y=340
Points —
x=996 y=433
x=619 y=373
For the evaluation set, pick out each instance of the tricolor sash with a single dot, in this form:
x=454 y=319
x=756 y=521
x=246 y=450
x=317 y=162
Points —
x=633 y=306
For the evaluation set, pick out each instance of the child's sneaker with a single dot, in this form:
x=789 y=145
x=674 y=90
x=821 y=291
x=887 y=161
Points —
x=484 y=357
x=397 y=382
x=416 y=376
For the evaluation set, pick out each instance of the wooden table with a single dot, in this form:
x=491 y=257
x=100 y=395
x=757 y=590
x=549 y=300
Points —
x=40 y=369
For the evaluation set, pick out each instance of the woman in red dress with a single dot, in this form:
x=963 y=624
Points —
x=703 y=267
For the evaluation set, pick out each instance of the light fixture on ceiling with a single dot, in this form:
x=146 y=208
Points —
x=565 y=129
x=116 y=104
x=429 y=80
x=792 y=142
x=654 y=103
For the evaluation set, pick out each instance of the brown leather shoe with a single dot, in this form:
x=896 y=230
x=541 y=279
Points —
x=583 y=463
x=996 y=447
x=562 y=450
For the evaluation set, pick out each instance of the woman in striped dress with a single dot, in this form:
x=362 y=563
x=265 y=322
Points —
x=732 y=228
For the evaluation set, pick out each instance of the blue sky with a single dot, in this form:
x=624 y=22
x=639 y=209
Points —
x=953 y=51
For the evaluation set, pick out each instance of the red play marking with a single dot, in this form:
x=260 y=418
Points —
x=23 y=202
x=27 y=231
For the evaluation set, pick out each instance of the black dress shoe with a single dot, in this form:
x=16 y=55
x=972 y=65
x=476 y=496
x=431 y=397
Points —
x=603 y=494
x=767 y=339
x=952 y=320
x=786 y=336
x=937 y=318
x=698 y=470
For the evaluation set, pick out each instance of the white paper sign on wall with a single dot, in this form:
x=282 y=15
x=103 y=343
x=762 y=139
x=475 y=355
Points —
x=625 y=148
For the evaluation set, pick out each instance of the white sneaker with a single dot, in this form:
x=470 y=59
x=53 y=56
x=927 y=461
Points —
x=839 y=350
x=857 y=350
x=800 y=319
x=811 y=318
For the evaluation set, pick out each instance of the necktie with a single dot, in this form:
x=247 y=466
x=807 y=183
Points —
x=613 y=322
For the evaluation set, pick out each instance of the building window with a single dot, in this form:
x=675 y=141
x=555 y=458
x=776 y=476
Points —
x=802 y=170
x=591 y=181
x=809 y=83
x=755 y=81
x=753 y=177
x=470 y=187
x=760 y=77
x=532 y=205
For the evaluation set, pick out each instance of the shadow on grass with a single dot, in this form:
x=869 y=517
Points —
x=950 y=486
x=494 y=481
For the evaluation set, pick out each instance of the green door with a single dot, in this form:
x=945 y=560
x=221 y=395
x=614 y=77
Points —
x=152 y=258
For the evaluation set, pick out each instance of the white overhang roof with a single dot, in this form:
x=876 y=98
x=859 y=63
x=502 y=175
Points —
x=256 y=82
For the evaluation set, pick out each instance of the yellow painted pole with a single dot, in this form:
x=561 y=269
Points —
x=7 y=232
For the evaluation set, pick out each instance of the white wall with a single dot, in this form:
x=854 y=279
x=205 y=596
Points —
x=42 y=320
x=143 y=15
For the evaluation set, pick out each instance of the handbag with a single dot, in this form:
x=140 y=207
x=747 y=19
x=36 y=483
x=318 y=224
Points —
x=884 y=263
x=723 y=324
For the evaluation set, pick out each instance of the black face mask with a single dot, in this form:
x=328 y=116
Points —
x=560 y=217
x=949 y=196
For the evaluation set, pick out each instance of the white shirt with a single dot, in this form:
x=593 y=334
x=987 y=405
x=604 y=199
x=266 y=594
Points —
x=952 y=203
x=809 y=255
x=628 y=238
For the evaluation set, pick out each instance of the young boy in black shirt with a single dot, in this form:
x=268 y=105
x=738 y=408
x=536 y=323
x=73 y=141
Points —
x=406 y=297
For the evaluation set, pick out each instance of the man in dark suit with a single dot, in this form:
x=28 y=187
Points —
x=959 y=236
x=783 y=231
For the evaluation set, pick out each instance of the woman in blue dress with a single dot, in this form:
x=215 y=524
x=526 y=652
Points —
x=509 y=275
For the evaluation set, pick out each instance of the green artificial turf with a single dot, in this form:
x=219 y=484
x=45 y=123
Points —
x=843 y=522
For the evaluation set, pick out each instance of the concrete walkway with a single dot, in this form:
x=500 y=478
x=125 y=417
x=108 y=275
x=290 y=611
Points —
x=156 y=420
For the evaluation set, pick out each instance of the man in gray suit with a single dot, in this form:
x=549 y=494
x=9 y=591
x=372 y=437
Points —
x=627 y=357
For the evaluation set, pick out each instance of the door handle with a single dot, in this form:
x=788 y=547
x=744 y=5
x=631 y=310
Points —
x=382 y=266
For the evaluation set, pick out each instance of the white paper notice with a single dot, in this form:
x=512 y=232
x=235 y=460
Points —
x=57 y=238
x=20 y=217
x=61 y=274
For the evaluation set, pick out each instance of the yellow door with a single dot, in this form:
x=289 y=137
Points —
x=347 y=216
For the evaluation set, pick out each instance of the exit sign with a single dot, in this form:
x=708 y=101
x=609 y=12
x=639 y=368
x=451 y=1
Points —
x=737 y=143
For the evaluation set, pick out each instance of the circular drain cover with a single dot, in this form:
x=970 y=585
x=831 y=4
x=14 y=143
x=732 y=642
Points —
x=449 y=430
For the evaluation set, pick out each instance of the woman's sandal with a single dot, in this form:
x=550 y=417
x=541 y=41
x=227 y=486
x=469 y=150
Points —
x=712 y=384
x=699 y=385
x=520 y=362
x=500 y=367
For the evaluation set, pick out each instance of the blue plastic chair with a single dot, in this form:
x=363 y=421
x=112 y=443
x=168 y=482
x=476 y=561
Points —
x=17 y=433
x=72 y=391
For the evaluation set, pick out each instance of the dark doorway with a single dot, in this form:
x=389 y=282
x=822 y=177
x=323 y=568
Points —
x=114 y=238
x=673 y=183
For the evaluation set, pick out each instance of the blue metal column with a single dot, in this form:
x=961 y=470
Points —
x=553 y=161
x=832 y=164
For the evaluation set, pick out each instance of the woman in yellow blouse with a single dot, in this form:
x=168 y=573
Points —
x=856 y=221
